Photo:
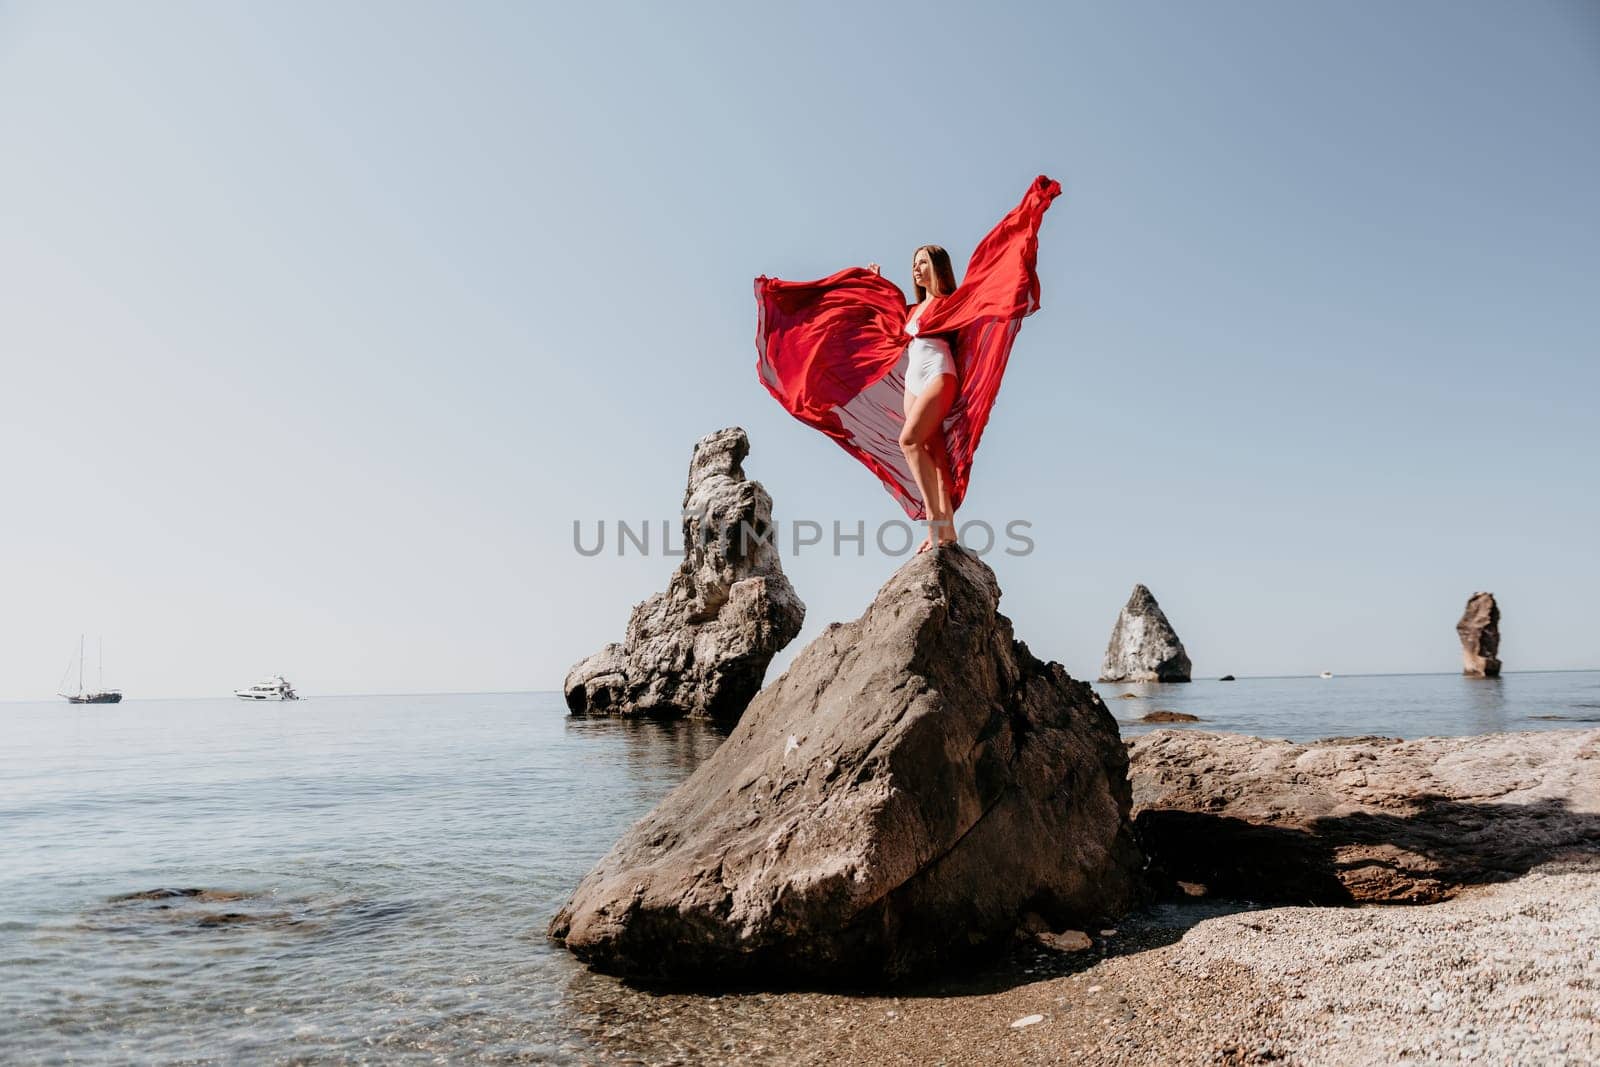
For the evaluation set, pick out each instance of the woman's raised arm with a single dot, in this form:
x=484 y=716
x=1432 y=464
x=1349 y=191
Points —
x=1001 y=282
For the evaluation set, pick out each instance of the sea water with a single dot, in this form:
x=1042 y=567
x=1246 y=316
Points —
x=375 y=874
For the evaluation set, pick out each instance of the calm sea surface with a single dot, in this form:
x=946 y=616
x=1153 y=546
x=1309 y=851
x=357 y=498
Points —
x=379 y=871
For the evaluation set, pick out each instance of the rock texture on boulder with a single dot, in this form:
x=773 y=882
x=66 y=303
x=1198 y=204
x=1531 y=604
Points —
x=903 y=795
x=701 y=648
x=1479 y=630
x=1362 y=820
x=1144 y=647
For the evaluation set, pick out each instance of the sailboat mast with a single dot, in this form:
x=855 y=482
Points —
x=100 y=686
x=80 y=664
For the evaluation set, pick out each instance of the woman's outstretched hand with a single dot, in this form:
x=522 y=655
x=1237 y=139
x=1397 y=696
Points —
x=874 y=268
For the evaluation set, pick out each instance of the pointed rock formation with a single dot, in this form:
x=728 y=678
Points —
x=1144 y=647
x=1479 y=630
x=911 y=788
x=701 y=648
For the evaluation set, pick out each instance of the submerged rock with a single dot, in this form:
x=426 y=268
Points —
x=1479 y=630
x=912 y=786
x=701 y=648
x=204 y=896
x=1366 y=819
x=1066 y=941
x=1143 y=646
x=1169 y=716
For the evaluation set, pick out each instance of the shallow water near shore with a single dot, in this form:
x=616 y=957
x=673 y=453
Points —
x=346 y=878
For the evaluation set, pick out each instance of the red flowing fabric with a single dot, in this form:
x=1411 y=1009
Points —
x=833 y=351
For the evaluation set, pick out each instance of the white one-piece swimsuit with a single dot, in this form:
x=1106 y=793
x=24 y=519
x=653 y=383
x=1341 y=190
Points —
x=926 y=359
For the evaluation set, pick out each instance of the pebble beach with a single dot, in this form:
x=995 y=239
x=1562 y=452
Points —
x=1503 y=974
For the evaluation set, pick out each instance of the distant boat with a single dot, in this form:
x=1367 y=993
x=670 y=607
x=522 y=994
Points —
x=1326 y=674
x=101 y=695
x=274 y=688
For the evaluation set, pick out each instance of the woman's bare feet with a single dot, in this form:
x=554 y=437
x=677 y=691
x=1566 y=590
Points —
x=928 y=542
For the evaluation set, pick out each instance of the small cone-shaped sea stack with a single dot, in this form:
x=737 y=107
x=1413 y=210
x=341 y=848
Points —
x=1479 y=630
x=906 y=793
x=701 y=648
x=1143 y=646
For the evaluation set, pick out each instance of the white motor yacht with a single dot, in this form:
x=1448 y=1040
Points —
x=274 y=688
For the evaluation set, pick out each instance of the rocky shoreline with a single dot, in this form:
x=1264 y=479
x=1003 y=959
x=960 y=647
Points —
x=1502 y=974
x=1358 y=820
x=923 y=844
x=1473 y=862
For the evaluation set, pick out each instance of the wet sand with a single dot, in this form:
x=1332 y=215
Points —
x=1503 y=974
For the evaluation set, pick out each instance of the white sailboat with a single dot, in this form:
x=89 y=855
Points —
x=100 y=695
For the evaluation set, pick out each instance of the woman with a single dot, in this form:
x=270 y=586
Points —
x=930 y=390
x=906 y=388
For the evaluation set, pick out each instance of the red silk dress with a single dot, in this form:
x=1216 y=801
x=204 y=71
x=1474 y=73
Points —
x=832 y=351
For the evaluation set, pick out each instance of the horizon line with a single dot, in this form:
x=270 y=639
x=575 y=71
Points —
x=534 y=692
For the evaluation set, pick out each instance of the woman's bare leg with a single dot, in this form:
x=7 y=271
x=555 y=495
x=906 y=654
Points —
x=920 y=439
x=946 y=481
x=916 y=471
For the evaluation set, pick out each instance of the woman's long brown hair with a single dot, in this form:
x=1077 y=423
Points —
x=942 y=271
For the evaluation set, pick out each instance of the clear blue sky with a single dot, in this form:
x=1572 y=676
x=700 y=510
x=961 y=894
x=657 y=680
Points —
x=320 y=324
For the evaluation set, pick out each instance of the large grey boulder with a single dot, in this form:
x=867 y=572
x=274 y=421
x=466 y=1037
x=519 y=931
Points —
x=1479 y=630
x=1144 y=647
x=701 y=648
x=904 y=794
x=1362 y=820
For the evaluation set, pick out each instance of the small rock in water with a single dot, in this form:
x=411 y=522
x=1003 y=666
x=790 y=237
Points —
x=227 y=918
x=207 y=896
x=1169 y=716
x=1066 y=941
x=1108 y=933
x=1027 y=1020
x=1193 y=889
